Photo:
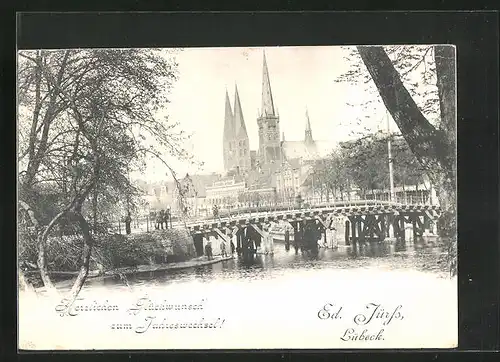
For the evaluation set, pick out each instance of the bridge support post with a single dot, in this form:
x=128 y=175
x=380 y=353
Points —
x=347 y=232
x=227 y=241
x=402 y=232
x=391 y=231
x=414 y=227
x=419 y=225
x=267 y=242
x=240 y=236
x=396 y=224
x=383 y=226
x=297 y=236
x=198 y=244
x=354 y=236
x=361 y=235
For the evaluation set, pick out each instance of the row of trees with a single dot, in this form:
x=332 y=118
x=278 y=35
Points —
x=87 y=118
x=364 y=164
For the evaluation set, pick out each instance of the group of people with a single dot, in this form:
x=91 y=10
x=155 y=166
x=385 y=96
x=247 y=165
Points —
x=162 y=218
x=311 y=233
x=223 y=250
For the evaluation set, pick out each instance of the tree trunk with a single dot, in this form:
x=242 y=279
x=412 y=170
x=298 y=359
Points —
x=87 y=252
x=23 y=284
x=41 y=243
x=444 y=56
x=94 y=211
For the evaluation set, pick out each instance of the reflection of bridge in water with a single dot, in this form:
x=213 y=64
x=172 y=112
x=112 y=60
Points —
x=365 y=221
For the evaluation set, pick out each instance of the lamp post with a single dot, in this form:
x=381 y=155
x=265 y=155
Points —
x=391 y=176
x=147 y=217
x=312 y=186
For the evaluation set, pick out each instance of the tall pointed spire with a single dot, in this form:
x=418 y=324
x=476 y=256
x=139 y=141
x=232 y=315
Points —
x=240 y=130
x=267 y=96
x=228 y=120
x=308 y=121
x=308 y=132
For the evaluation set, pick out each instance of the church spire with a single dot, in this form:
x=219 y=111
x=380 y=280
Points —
x=308 y=132
x=240 y=129
x=267 y=96
x=228 y=121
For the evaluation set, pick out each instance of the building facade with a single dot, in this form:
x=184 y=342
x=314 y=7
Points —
x=225 y=192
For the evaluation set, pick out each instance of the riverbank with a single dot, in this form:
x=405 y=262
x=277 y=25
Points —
x=96 y=275
x=193 y=263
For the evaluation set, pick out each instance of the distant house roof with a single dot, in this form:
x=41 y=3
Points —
x=199 y=184
x=195 y=185
x=264 y=178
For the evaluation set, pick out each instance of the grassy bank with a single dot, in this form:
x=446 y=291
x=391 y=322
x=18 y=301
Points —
x=111 y=251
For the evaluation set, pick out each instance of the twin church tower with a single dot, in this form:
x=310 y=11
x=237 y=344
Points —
x=236 y=146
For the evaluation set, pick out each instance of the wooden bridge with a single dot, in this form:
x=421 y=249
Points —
x=364 y=221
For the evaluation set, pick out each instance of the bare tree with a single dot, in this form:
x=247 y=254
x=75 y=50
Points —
x=88 y=117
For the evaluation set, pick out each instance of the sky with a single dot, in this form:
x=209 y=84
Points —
x=301 y=78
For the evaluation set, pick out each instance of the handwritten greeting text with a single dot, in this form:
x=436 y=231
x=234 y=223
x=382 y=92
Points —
x=146 y=314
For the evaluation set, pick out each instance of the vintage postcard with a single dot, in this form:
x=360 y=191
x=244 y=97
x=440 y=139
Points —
x=237 y=198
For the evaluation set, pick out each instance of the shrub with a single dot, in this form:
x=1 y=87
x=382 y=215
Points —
x=64 y=252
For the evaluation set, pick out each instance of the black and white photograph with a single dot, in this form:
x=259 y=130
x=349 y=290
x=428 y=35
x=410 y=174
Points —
x=294 y=197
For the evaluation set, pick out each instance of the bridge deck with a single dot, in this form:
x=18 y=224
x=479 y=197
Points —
x=323 y=211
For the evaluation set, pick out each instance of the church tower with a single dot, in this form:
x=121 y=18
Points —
x=241 y=141
x=268 y=122
x=228 y=141
x=308 y=139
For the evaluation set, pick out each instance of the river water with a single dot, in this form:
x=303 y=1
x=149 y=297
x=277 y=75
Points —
x=424 y=256
x=274 y=301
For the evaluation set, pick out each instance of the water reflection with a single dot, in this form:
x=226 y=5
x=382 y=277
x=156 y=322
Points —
x=423 y=255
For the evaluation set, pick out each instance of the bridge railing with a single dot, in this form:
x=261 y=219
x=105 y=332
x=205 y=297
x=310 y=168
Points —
x=265 y=210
